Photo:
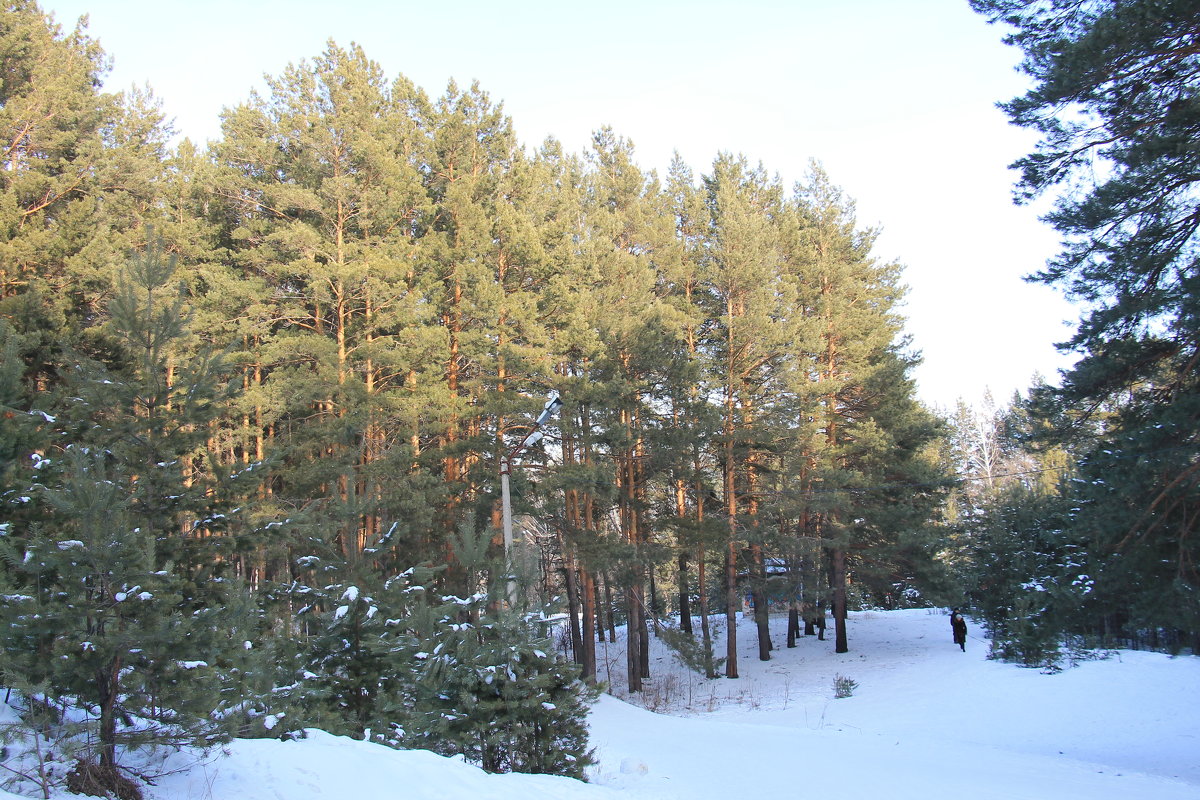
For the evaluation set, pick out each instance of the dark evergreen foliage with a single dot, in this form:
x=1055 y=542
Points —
x=1116 y=98
x=496 y=692
x=119 y=603
x=1029 y=575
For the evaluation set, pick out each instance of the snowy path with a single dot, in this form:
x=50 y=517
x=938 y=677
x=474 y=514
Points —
x=924 y=715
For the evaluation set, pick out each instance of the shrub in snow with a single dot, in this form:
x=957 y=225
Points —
x=358 y=657
x=690 y=652
x=497 y=692
x=392 y=661
x=41 y=741
x=129 y=648
x=1027 y=635
x=1026 y=565
x=490 y=686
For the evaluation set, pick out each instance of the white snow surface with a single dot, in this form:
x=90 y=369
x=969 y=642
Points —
x=925 y=721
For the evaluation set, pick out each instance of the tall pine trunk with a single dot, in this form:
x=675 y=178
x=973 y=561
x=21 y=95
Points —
x=705 y=630
x=761 y=611
x=838 y=575
x=574 y=603
x=588 y=591
x=633 y=635
x=731 y=604
x=685 y=601
x=732 y=599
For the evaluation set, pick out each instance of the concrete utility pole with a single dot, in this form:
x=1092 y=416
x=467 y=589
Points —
x=506 y=460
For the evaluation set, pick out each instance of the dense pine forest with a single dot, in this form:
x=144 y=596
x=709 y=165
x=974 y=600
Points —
x=256 y=400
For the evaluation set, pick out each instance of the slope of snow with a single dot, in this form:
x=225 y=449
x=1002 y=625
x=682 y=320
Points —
x=326 y=767
x=926 y=721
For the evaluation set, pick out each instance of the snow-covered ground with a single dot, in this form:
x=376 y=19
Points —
x=925 y=721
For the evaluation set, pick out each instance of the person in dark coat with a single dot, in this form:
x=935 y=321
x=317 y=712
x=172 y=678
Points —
x=959 y=626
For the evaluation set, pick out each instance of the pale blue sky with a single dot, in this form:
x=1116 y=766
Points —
x=896 y=99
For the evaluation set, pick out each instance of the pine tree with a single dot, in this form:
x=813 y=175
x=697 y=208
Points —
x=54 y=114
x=358 y=658
x=584 y=480
x=631 y=236
x=476 y=253
x=492 y=206
x=338 y=334
x=751 y=334
x=870 y=429
x=694 y=421
x=1115 y=84
x=76 y=184
x=121 y=606
x=1029 y=574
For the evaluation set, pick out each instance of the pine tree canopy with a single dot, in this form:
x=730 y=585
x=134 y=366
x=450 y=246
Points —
x=1117 y=102
x=1116 y=99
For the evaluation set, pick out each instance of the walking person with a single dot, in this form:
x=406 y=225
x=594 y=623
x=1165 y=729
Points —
x=959 y=626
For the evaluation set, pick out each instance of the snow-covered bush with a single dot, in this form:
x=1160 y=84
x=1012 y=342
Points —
x=497 y=693
x=1026 y=574
x=359 y=655
x=396 y=662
